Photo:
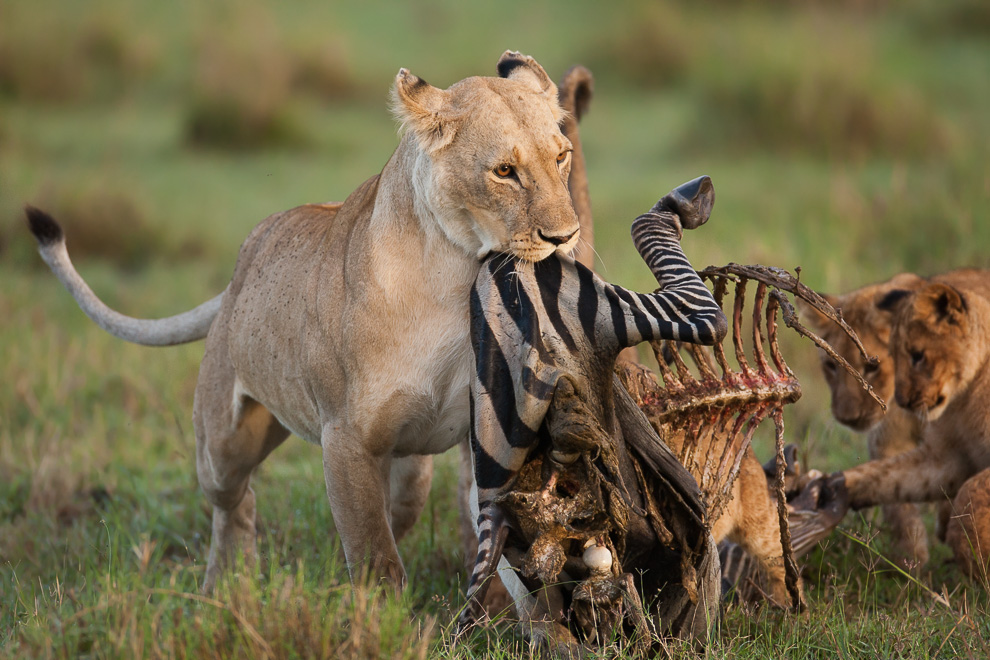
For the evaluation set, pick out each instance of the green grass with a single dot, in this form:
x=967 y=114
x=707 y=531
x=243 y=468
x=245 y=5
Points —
x=846 y=138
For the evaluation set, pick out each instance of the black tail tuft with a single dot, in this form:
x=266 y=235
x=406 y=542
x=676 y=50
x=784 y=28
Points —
x=44 y=227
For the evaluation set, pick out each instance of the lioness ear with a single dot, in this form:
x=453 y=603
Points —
x=420 y=107
x=523 y=68
x=575 y=91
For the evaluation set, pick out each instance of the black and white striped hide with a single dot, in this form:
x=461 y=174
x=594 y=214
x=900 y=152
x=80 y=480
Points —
x=535 y=325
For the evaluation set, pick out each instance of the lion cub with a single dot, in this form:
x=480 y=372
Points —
x=886 y=435
x=968 y=531
x=940 y=342
x=870 y=311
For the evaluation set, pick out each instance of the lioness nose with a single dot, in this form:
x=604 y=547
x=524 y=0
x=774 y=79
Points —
x=558 y=240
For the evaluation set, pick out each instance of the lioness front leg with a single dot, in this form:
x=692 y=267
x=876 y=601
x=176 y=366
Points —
x=358 y=489
x=927 y=473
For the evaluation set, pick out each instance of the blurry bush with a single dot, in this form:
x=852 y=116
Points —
x=811 y=84
x=652 y=47
x=241 y=92
x=801 y=110
x=100 y=221
x=248 y=79
x=325 y=71
x=950 y=18
x=52 y=56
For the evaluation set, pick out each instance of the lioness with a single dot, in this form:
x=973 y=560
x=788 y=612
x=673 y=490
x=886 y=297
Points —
x=940 y=341
x=347 y=324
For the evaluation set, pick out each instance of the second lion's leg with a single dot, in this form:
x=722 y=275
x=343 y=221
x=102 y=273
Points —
x=409 y=486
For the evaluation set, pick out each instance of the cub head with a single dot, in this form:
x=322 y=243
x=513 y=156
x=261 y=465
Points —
x=933 y=348
x=488 y=160
x=868 y=311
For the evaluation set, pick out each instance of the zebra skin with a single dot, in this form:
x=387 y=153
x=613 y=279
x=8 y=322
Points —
x=554 y=325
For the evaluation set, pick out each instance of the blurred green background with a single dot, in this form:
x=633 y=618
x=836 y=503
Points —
x=848 y=137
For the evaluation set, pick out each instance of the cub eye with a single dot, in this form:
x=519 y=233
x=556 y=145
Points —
x=917 y=357
x=870 y=368
x=504 y=171
x=562 y=156
x=830 y=366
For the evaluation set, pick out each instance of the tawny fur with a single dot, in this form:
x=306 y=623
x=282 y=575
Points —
x=871 y=315
x=968 y=530
x=887 y=435
x=940 y=342
x=348 y=324
x=750 y=520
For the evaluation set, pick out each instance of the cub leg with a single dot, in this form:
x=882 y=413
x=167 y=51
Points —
x=409 y=485
x=233 y=436
x=929 y=472
x=900 y=432
x=358 y=488
x=751 y=521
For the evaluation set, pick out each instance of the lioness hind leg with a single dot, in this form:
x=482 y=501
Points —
x=409 y=486
x=232 y=439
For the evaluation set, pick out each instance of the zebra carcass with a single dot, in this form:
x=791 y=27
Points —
x=545 y=337
x=588 y=510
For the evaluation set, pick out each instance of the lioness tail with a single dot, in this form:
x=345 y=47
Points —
x=179 y=329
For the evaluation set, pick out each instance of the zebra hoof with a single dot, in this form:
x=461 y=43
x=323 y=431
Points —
x=692 y=202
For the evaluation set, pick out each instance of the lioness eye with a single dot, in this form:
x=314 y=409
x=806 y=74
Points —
x=561 y=157
x=504 y=170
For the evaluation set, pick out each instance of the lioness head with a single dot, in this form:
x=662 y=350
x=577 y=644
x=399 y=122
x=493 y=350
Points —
x=865 y=311
x=932 y=348
x=491 y=163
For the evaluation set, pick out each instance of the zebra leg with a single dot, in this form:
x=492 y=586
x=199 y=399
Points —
x=492 y=532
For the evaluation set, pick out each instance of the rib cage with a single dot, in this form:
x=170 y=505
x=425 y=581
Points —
x=709 y=420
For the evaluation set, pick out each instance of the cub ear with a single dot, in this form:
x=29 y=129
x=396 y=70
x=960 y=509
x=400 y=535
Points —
x=420 y=107
x=908 y=281
x=523 y=68
x=943 y=303
x=892 y=300
x=816 y=319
